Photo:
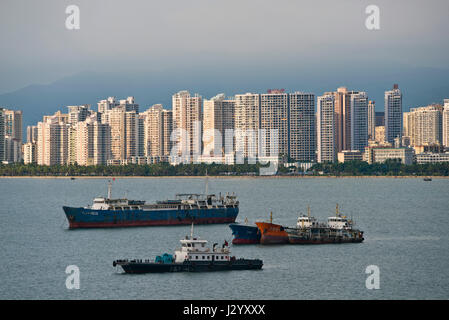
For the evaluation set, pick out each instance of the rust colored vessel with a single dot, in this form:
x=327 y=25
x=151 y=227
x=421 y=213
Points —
x=271 y=233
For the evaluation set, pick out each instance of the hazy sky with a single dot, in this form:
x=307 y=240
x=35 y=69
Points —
x=156 y=36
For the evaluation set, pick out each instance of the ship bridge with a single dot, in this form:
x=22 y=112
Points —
x=194 y=249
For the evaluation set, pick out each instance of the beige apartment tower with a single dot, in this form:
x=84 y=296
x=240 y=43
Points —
x=52 y=143
x=247 y=125
x=187 y=118
x=218 y=116
x=274 y=117
x=326 y=128
x=124 y=132
x=424 y=125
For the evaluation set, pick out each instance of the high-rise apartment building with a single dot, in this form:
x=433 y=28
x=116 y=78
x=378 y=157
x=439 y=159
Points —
x=445 y=123
x=59 y=116
x=380 y=134
x=326 y=128
x=302 y=127
x=32 y=134
x=30 y=152
x=274 y=117
x=12 y=135
x=213 y=134
x=141 y=133
x=78 y=113
x=107 y=104
x=359 y=120
x=157 y=131
x=13 y=124
x=13 y=149
x=218 y=117
x=92 y=142
x=424 y=125
x=115 y=118
x=393 y=114
x=342 y=118
x=2 y=134
x=167 y=129
x=371 y=120
x=131 y=134
x=187 y=118
x=153 y=134
x=247 y=124
x=52 y=143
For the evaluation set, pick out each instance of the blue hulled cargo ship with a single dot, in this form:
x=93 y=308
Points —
x=245 y=234
x=184 y=209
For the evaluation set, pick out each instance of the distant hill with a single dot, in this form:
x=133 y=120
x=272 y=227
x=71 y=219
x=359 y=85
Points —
x=420 y=86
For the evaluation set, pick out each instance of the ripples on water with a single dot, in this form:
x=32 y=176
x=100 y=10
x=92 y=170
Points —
x=405 y=222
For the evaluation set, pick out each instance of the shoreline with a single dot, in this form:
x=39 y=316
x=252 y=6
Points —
x=222 y=177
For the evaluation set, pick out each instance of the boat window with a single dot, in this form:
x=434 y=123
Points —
x=189 y=245
x=202 y=245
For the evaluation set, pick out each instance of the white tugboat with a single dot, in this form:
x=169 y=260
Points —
x=193 y=256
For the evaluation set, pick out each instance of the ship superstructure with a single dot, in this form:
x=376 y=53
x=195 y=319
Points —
x=193 y=256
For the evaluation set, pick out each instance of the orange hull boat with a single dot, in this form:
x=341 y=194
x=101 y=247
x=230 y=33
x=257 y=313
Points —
x=272 y=233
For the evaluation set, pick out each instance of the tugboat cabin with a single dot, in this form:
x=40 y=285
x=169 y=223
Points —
x=193 y=249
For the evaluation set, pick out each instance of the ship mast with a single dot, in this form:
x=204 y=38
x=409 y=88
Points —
x=191 y=232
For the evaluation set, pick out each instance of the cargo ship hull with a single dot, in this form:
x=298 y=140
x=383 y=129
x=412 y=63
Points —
x=244 y=234
x=272 y=233
x=137 y=267
x=323 y=236
x=90 y=218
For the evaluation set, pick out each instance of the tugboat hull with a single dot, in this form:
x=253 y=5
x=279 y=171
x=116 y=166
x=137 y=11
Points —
x=200 y=266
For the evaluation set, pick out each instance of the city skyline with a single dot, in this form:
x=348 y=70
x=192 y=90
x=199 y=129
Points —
x=341 y=122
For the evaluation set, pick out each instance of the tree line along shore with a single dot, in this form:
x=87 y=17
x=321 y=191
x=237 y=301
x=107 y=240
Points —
x=351 y=168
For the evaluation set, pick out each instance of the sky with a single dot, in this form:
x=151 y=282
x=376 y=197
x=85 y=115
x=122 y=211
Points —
x=211 y=36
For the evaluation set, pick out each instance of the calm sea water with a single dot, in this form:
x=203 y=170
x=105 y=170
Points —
x=406 y=224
